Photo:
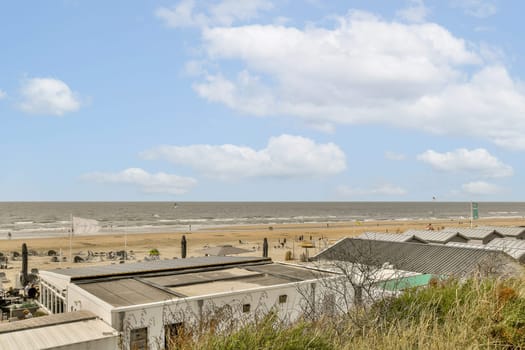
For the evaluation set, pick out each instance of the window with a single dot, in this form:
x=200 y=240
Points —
x=283 y=298
x=246 y=308
x=138 y=339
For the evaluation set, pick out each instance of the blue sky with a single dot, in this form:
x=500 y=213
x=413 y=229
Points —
x=261 y=100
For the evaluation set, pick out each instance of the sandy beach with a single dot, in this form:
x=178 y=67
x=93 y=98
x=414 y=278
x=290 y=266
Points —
x=248 y=237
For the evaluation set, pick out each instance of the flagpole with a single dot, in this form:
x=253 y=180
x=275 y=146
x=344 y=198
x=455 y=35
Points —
x=71 y=239
x=125 y=245
x=471 y=215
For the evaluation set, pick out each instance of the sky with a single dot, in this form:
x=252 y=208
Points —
x=262 y=100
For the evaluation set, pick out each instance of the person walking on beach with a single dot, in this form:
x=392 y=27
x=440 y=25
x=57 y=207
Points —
x=9 y=235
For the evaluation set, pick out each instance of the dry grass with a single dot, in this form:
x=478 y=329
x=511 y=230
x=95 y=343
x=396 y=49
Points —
x=476 y=314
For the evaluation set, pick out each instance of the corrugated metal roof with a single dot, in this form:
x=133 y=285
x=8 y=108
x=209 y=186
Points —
x=472 y=246
x=507 y=231
x=60 y=335
x=423 y=258
x=515 y=248
x=155 y=266
x=435 y=236
x=473 y=233
x=387 y=237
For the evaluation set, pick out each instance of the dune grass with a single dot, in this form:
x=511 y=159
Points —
x=473 y=314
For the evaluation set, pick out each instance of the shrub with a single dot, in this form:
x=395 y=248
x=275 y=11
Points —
x=154 y=252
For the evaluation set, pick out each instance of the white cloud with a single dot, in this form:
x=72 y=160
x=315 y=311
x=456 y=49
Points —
x=284 y=156
x=480 y=188
x=394 y=156
x=150 y=183
x=3 y=94
x=477 y=8
x=416 y=12
x=366 y=70
x=224 y=13
x=383 y=190
x=477 y=161
x=48 y=96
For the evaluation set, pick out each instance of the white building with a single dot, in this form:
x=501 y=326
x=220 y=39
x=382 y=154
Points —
x=146 y=302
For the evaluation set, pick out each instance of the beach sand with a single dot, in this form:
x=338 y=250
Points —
x=248 y=237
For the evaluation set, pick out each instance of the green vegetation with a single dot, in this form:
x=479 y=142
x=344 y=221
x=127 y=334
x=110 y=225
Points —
x=154 y=252
x=476 y=314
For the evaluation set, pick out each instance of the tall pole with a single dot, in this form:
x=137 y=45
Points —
x=71 y=239
x=125 y=245
x=183 y=247
x=24 y=265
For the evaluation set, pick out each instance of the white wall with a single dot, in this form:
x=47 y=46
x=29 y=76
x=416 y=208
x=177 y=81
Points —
x=192 y=310
x=79 y=299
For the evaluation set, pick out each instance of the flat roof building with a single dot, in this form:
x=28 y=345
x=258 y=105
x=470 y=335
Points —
x=148 y=301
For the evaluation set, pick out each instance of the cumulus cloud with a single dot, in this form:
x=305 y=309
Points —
x=48 y=96
x=3 y=94
x=284 y=156
x=416 y=12
x=477 y=8
x=383 y=190
x=480 y=188
x=188 y=13
x=394 y=156
x=150 y=183
x=477 y=161
x=366 y=70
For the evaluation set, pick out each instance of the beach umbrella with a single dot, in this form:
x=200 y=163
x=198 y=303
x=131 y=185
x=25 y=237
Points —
x=224 y=250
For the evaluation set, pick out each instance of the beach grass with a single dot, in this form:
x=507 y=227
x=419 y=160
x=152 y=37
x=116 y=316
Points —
x=472 y=314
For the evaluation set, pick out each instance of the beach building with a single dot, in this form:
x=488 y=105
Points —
x=390 y=237
x=512 y=247
x=435 y=236
x=81 y=330
x=477 y=235
x=147 y=302
x=434 y=259
x=508 y=232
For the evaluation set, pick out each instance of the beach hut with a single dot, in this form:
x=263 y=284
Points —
x=477 y=235
x=509 y=232
x=391 y=237
x=440 y=237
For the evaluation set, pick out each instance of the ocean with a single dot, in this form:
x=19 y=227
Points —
x=53 y=218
